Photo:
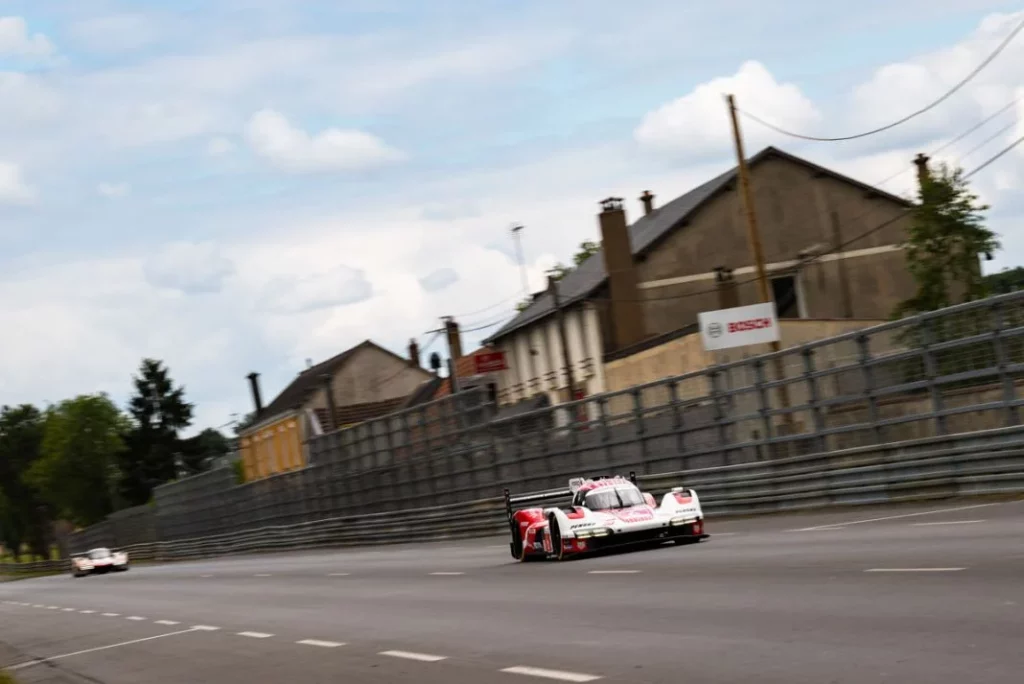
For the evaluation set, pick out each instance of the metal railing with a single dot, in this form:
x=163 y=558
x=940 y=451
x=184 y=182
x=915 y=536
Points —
x=940 y=375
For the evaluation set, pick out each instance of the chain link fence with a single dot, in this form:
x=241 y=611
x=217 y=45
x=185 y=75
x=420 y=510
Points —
x=945 y=373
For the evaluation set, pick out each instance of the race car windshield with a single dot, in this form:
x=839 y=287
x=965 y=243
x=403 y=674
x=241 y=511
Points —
x=606 y=499
x=99 y=554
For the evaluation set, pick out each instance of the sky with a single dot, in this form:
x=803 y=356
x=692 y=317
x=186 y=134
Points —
x=242 y=185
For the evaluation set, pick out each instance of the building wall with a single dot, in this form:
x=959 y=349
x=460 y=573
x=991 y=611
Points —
x=796 y=211
x=272 y=448
x=543 y=371
x=369 y=375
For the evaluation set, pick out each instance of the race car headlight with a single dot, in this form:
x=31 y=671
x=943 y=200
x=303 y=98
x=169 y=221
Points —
x=602 y=532
x=584 y=534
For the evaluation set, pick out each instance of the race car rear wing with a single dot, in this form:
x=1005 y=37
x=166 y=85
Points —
x=548 y=495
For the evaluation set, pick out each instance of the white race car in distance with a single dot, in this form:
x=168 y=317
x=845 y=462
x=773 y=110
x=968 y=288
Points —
x=605 y=512
x=98 y=561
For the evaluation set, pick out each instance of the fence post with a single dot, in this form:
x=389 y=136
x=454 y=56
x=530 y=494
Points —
x=639 y=426
x=931 y=371
x=714 y=387
x=812 y=400
x=868 y=375
x=677 y=422
x=602 y=416
x=1002 y=360
x=763 y=406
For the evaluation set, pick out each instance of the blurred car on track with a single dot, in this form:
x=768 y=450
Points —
x=97 y=561
x=603 y=513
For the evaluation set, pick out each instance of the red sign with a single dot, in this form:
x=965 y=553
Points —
x=489 y=362
x=752 y=324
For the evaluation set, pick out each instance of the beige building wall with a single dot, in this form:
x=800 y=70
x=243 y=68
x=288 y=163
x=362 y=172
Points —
x=370 y=375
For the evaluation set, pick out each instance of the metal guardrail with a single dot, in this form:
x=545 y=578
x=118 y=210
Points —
x=49 y=566
x=982 y=463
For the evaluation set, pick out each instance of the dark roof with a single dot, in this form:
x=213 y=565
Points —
x=358 y=413
x=582 y=281
x=424 y=393
x=310 y=380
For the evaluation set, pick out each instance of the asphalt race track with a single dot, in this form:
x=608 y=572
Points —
x=905 y=594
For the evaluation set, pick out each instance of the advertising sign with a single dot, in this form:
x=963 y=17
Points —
x=489 y=362
x=738 y=327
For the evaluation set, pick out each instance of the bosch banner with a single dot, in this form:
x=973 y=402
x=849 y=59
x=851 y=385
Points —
x=738 y=327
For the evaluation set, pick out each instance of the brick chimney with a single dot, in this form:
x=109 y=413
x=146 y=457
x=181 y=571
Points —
x=254 y=387
x=647 y=199
x=627 y=313
x=451 y=331
x=921 y=161
x=414 y=353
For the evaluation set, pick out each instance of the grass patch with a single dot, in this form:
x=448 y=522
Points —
x=6 y=678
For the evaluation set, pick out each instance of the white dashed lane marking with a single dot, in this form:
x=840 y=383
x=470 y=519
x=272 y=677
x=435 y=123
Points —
x=914 y=569
x=205 y=628
x=29 y=663
x=321 y=644
x=408 y=655
x=87 y=612
x=167 y=622
x=338 y=574
x=111 y=614
x=560 y=675
x=135 y=618
x=68 y=610
x=947 y=522
x=255 y=635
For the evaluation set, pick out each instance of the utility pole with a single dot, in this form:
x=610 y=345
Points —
x=517 y=238
x=560 y=315
x=754 y=239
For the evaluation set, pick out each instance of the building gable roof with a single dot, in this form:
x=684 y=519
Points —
x=311 y=379
x=648 y=230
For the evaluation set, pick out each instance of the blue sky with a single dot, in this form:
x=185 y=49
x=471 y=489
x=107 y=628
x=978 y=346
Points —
x=242 y=184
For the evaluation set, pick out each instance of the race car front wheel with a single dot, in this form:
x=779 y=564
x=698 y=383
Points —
x=517 y=543
x=556 y=537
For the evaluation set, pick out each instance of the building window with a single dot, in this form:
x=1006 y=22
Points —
x=786 y=295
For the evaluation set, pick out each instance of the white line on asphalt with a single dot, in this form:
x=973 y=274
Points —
x=93 y=650
x=136 y=618
x=68 y=610
x=38 y=605
x=338 y=574
x=322 y=644
x=892 y=517
x=87 y=612
x=613 y=572
x=52 y=607
x=167 y=622
x=914 y=569
x=408 y=655
x=255 y=635
x=205 y=628
x=111 y=614
x=551 y=674
x=446 y=574
x=947 y=522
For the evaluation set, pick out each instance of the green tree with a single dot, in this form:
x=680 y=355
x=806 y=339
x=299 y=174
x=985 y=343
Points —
x=159 y=411
x=1007 y=280
x=946 y=237
x=197 y=452
x=24 y=516
x=76 y=473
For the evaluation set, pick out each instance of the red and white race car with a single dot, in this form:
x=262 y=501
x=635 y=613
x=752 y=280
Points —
x=603 y=512
x=98 y=561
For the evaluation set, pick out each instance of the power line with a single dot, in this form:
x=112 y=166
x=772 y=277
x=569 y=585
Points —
x=977 y=70
x=470 y=314
x=976 y=127
x=987 y=140
x=423 y=348
x=991 y=159
x=505 y=319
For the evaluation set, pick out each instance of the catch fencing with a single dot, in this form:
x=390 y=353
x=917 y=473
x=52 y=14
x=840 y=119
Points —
x=940 y=375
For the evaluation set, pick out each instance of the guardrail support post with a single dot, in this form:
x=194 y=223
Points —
x=640 y=428
x=763 y=406
x=1012 y=416
x=931 y=371
x=868 y=376
x=715 y=392
x=812 y=401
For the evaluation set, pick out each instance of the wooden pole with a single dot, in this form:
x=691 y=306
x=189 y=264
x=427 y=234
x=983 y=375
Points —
x=754 y=239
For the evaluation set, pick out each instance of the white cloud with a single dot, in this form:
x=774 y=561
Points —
x=190 y=268
x=26 y=100
x=114 y=33
x=336 y=287
x=439 y=279
x=13 y=188
x=698 y=123
x=16 y=41
x=219 y=146
x=113 y=190
x=291 y=149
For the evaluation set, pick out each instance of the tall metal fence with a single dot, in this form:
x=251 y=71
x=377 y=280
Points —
x=944 y=373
